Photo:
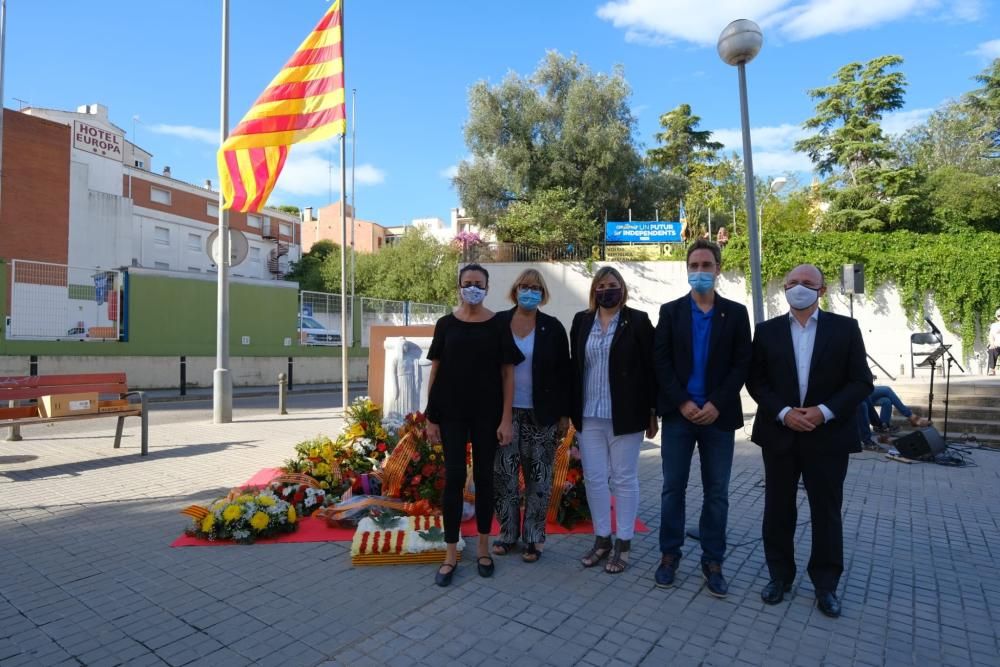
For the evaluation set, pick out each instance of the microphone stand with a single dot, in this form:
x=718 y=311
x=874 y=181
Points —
x=947 y=376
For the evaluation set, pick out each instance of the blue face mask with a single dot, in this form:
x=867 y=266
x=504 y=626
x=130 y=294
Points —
x=529 y=299
x=701 y=281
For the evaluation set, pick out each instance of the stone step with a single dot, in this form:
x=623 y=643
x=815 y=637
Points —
x=917 y=399
x=958 y=426
x=959 y=411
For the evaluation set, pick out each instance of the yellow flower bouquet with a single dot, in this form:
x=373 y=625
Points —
x=243 y=516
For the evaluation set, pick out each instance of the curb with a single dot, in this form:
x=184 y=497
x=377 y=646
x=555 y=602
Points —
x=191 y=398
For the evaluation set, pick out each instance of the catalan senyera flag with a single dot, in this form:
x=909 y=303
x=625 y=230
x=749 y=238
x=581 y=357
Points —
x=304 y=102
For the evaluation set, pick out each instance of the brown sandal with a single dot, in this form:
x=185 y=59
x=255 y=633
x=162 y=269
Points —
x=531 y=554
x=617 y=564
x=598 y=552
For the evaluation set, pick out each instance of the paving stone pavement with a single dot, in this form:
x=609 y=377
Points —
x=87 y=575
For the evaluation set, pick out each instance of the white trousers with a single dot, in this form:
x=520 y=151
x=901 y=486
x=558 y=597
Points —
x=615 y=459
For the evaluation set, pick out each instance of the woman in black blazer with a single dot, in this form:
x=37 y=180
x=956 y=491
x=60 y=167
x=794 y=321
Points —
x=614 y=404
x=540 y=414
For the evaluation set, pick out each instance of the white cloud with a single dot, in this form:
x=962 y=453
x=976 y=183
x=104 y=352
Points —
x=898 y=122
x=988 y=50
x=449 y=172
x=366 y=174
x=773 y=151
x=188 y=132
x=773 y=146
x=658 y=22
x=310 y=172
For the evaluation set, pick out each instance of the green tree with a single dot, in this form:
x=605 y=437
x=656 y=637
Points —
x=986 y=101
x=551 y=216
x=849 y=136
x=953 y=136
x=961 y=200
x=415 y=268
x=288 y=208
x=308 y=272
x=883 y=200
x=684 y=148
x=562 y=127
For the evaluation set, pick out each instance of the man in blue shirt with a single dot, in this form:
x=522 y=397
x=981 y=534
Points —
x=702 y=357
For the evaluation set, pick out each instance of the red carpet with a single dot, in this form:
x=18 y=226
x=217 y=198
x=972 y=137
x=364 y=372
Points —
x=316 y=530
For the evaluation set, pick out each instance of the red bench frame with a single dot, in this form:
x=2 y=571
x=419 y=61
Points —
x=28 y=387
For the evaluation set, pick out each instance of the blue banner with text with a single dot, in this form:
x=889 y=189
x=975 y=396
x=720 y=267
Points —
x=643 y=232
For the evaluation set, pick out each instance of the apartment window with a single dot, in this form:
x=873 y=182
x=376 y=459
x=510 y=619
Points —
x=194 y=241
x=161 y=265
x=161 y=235
x=159 y=196
x=140 y=164
x=194 y=269
x=212 y=210
x=254 y=221
x=255 y=255
x=285 y=229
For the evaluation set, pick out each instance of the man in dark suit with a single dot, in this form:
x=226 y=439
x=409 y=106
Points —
x=808 y=374
x=702 y=357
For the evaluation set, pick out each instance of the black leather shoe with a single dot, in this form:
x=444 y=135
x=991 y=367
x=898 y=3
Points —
x=775 y=591
x=485 y=569
x=666 y=572
x=714 y=581
x=828 y=603
x=444 y=578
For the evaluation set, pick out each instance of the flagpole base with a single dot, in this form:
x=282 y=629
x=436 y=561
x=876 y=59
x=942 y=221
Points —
x=222 y=396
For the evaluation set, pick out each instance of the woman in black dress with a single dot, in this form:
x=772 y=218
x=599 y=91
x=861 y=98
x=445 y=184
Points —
x=471 y=389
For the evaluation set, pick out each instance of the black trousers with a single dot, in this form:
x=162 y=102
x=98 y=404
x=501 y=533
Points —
x=482 y=434
x=822 y=470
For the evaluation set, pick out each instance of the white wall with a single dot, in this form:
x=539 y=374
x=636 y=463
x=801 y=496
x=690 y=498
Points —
x=879 y=313
x=179 y=254
x=164 y=372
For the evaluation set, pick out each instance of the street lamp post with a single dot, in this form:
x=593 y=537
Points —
x=738 y=44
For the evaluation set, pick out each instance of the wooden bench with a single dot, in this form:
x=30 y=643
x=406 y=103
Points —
x=15 y=390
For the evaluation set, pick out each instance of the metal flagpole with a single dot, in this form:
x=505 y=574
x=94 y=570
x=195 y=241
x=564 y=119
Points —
x=222 y=381
x=354 y=205
x=344 y=378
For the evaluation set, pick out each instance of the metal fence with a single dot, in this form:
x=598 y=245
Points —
x=59 y=302
x=320 y=313
x=319 y=319
x=398 y=313
x=521 y=252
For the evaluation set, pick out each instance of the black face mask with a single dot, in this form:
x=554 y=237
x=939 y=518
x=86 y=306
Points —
x=608 y=298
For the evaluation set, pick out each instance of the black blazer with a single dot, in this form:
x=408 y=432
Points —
x=838 y=378
x=728 y=358
x=630 y=370
x=551 y=373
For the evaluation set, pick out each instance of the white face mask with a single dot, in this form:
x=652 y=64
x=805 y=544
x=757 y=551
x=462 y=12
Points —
x=801 y=297
x=473 y=295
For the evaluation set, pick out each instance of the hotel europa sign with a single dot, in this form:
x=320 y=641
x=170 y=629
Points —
x=98 y=141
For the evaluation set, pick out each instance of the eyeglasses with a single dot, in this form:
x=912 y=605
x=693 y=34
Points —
x=530 y=288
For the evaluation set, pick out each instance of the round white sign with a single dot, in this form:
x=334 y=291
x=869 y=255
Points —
x=239 y=247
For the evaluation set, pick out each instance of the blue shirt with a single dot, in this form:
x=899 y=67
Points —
x=701 y=331
x=522 y=372
x=597 y=383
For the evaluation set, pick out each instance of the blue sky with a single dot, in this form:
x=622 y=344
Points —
x=412 y=64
